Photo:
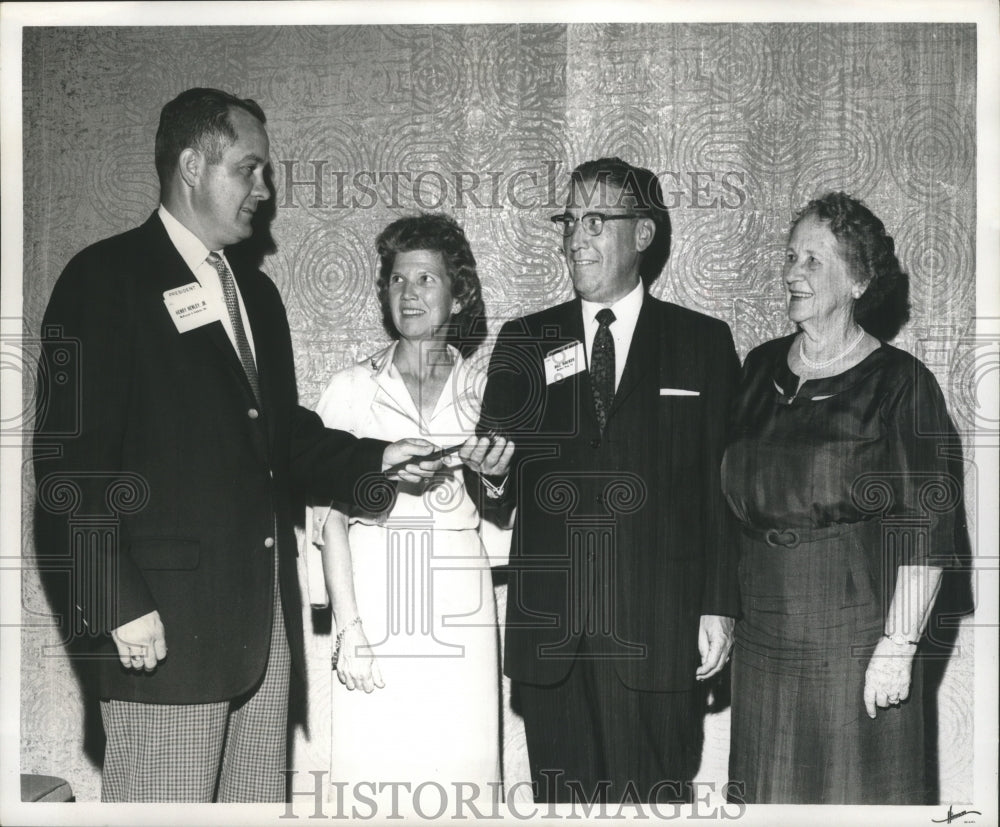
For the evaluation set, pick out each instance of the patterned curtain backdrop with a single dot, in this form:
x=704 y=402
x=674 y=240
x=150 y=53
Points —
x=745 y=123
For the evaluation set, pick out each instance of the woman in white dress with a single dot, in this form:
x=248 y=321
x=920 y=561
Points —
x=409 y=581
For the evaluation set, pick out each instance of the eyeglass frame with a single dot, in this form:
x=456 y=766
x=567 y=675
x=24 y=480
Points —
x=567 y=232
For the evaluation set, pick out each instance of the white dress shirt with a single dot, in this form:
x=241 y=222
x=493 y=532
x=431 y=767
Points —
x=195 y=255
x=626 y=311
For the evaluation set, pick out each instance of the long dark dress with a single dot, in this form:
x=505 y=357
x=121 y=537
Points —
x=837 y=483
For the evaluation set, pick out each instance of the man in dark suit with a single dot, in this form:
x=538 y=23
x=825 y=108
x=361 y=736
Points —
x=622 y=582
x=182 y=440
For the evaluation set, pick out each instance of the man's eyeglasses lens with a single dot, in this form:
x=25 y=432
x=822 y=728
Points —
x=593 y=222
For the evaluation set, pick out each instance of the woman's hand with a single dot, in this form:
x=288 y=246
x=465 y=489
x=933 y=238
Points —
x=887 y=679
x=356 y=665
x=488 y=455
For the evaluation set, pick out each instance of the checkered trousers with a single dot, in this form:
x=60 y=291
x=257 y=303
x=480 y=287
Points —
x=232 y=751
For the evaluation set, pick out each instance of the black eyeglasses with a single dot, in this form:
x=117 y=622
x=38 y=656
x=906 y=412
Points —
x=593 y=222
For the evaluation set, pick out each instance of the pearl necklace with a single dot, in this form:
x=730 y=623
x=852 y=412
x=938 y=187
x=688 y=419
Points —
x=809 y=363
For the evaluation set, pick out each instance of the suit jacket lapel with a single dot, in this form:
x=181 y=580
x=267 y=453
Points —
x=643 y=354
x=167 y=271
x=571 y=328
x=255 y=303
x=252 y=303
x=564 y=395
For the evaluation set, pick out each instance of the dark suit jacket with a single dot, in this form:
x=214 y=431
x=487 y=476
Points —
x=155 y=449
x=632 y=519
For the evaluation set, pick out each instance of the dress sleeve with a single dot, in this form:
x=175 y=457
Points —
x=338 y=404
x=337 y=408
x=928 y=478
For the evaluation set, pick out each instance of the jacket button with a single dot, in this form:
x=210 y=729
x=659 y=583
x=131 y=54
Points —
x=253 y=413
x=595 y=443
x=269 y=542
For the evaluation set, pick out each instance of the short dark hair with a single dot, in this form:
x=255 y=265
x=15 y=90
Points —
x=644 y=187
x=198 y=118
x=870 y=255
x=438 y=233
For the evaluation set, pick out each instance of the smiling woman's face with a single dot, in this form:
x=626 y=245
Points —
x=818 y=282
x=420 y=298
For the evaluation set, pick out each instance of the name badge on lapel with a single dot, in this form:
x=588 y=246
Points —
x=566 y=361
x=189 y=307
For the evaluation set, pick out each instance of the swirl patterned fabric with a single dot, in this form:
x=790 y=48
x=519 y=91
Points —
x=743 y=122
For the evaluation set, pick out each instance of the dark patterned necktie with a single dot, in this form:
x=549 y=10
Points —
x=602 y=366
x=239 y=333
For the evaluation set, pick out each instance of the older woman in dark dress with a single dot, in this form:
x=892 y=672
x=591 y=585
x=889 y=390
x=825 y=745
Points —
x=848 y=514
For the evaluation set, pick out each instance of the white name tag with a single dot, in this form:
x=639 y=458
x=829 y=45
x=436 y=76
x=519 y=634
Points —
x=678 y=392
x=189 y=307
x=564 y=362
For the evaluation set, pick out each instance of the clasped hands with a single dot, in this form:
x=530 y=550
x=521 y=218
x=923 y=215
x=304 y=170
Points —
x=414 y=460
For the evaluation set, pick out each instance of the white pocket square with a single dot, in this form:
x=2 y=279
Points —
x=678 y=392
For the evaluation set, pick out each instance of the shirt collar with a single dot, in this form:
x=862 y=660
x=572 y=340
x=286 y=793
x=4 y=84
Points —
x=387 y=376
x=381 y=362
x=382 y=365
x=191 y=248
x=626 y=309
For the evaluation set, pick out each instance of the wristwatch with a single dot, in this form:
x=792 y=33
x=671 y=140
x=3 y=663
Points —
x=900 y=639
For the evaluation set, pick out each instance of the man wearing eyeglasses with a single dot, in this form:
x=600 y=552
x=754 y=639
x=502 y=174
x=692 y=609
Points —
x=622 y=582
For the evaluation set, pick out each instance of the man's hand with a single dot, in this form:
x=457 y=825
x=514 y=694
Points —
x=715 y=642
x=141 y=642
x=489 y=456
x=401 y=460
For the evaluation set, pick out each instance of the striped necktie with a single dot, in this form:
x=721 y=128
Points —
x=239 y=332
